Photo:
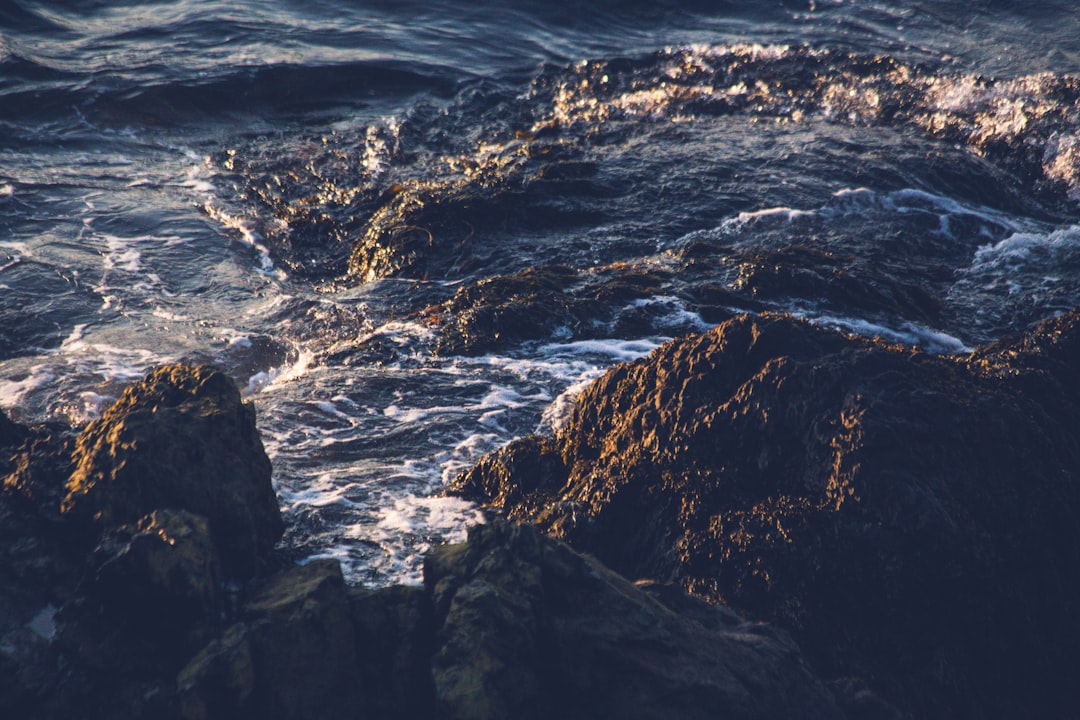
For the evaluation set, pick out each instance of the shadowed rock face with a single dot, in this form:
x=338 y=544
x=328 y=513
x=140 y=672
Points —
x=527 y=628
x=911 y=519
x=182 y=438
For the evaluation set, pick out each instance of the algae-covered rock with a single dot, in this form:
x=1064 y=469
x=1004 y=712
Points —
x=910 y=518
x=182 y=439
x=527 y=628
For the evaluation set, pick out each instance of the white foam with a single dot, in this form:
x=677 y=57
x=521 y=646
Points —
x=906 y=333
x=615 y=350
x=247 y=234
x=275 y=377
x=93 y=404
x=121 y=254
x=19 y=249
x=158 y=312
x=1018 y=247
x=786 y=213
x=671 y=312
x=13 y=392
x=448 y=516
x=560 y=411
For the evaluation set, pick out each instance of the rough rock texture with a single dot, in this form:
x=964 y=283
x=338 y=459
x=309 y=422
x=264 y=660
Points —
x=911 y=519
x=111 y=576
x=139 y=619
x=182 y=439
x=527 y=628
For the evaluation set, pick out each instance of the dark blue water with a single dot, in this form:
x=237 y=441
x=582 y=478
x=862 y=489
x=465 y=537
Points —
x=412 y=230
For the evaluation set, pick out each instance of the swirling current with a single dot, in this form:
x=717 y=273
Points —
x=412 y=232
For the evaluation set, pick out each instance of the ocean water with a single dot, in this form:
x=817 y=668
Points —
x=187 y=180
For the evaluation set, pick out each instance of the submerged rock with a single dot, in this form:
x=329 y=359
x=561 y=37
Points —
x=911 y=519
x=181 y=439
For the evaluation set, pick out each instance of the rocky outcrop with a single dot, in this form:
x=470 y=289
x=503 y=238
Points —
x=118 y=542
x=910 y=519
x=127 y=604
x=451 y=226
x=292 y=655
x=181 y=439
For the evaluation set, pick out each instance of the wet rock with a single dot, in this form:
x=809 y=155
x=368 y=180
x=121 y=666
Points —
x=909 y=518
x=449 y=226
x=518 y=478
x=840 y=282
x=152 y=596
x=548 y=302
x=182 y=439
x=11 y=433
x=527 y=628
x=39 y=568
x=488 y=314
x=294 y=655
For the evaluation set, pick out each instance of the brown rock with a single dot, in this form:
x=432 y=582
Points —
x=909 y=518
x=180 y=439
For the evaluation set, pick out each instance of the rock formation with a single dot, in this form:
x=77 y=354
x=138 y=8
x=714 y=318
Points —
x=138 y=581
x=910 y=519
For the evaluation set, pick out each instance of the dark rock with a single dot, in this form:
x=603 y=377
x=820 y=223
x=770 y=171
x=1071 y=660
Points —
x=394 y=640
x=151 y=598
x=546 y=302
x=182 y=439
x=518 y=478
x=37 y=468
x=39 y=568
x=841 y=282
x=294 y=655
x=488 y=314
x=527 y=628
x=911 y=519
x=447 y=226
x=158 y=585
x=11 y=433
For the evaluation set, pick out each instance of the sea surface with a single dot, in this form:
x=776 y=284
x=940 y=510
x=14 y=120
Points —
x=187 y=180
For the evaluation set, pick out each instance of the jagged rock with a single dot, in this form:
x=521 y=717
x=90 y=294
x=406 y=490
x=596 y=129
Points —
x=519 y=478
x=911 y=519
x=39 y=570
x=841 y=282
x=183 y=439
x=527 y=628
x=294 y=655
